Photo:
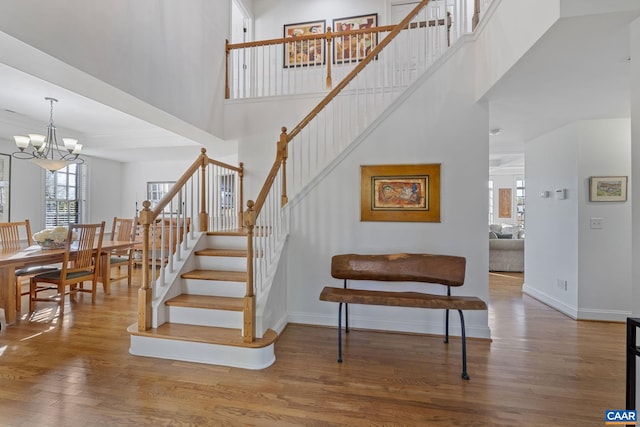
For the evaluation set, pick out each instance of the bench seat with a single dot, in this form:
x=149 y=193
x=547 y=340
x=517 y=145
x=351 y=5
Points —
x=401 y=299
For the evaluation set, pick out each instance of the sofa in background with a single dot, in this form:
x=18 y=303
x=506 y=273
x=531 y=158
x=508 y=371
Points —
x=506 y=248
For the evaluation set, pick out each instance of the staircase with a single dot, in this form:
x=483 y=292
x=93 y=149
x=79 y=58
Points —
x=204 y=323
x=212 y=302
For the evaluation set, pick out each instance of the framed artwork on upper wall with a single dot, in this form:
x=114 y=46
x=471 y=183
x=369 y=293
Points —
x=400 y=193
x=5 y=187
x=354 y=47
x=608 y=189
x=307 y=51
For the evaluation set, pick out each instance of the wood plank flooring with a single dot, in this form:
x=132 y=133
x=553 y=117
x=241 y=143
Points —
x=541 y=369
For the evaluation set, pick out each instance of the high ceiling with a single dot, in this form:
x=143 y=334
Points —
x=578 y=70
x=104 y=131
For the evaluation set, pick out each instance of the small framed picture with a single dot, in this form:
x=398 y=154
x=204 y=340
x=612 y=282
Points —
x=307 y=48
x=608 y=189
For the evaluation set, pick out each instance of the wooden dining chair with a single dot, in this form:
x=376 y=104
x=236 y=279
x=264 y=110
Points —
x=123 y=229
x=80 y=263
x=10 y=239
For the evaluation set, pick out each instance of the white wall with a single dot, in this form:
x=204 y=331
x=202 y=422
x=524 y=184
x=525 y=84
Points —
x=634 y=189
x=634 y=35
x=524 y=21
x=605 y=255
x=560 y=244
x=166 y=53
x=426 y=128
x=104 y=193
x=27 y=189
x=255 y=124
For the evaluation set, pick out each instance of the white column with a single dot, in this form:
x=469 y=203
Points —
x=634 y=73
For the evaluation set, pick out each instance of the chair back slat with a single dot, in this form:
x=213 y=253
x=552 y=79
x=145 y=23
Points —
x=89 y=236
x=10 y=234
x=123 y=229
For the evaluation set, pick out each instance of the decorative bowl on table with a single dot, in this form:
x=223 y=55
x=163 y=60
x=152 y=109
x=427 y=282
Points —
x=51 y=244
x=52 y=238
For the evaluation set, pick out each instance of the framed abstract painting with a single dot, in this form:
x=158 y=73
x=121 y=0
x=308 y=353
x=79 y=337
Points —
x=400 y=193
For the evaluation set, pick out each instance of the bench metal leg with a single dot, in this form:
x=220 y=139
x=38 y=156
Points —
x=446 y=327
x=340 y=332
x=465 y=375
x=446 y=324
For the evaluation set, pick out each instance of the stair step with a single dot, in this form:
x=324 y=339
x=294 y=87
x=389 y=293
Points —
x=257 y=231
x=223 y=252
x=208 y=302
x=233 y=232
x=205 y=334
x=227 y=276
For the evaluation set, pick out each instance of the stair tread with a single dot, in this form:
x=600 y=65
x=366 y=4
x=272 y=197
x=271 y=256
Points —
x=204 y=334
x=222 y=275
x=222 y=252
x=208 y=302
x=230 y=232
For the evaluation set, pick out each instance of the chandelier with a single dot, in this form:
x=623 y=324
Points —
x=44 y=150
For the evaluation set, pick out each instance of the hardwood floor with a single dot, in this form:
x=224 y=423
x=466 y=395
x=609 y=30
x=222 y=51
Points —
x=541 y=369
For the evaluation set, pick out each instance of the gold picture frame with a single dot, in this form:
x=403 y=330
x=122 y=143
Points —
x=400 y=193
x=608 y=189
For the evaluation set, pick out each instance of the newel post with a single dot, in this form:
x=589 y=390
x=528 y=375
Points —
x=329 y=36
x=283 y=149
x=145 y=292
x=203 y=217
x=249 y=321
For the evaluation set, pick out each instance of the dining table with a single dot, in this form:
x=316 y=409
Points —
x=10 y=260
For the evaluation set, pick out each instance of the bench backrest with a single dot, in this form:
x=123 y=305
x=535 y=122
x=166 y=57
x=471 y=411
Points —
x=441 y=269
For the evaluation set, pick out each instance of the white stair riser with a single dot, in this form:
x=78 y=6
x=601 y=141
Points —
x=228 y=242
x=221 y=263
x=213 y=288
x=213 y=354
x=205 y=317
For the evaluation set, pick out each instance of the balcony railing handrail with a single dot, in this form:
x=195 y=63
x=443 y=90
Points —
x=202 y=160
x=328 y=36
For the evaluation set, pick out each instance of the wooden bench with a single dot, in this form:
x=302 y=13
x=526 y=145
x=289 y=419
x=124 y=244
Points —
x=439 y=269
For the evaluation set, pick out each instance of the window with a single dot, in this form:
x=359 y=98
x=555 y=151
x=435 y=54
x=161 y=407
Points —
x=490 y=201
x=520 y=202
x=156 y=191
x=63 y=196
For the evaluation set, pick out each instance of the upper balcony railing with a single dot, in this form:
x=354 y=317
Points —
x=310 y=63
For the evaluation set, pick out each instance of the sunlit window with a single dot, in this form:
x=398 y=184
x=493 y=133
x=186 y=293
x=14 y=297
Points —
x=63 y=196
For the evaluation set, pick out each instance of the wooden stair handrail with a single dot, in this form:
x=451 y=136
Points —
x=356 y=70
x=257 y=206
x=201 y=161
x=332 y=34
